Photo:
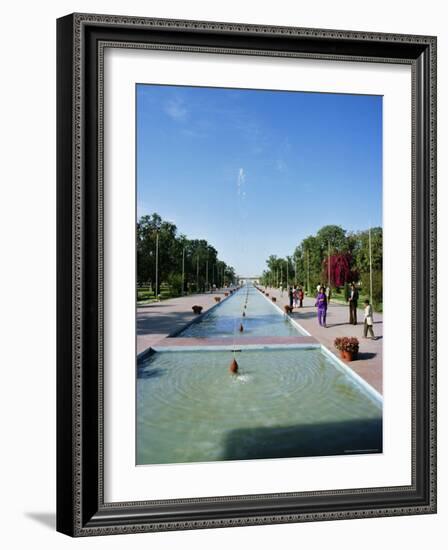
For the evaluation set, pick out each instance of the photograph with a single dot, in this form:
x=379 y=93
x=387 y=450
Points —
x=259 y=274
x=246 y=273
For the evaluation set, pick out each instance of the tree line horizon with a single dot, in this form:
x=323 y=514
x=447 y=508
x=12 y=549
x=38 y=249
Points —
x=333 y=257
x=193 y=265
x=168 y=258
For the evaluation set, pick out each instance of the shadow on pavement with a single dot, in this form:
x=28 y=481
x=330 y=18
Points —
x=365 y=355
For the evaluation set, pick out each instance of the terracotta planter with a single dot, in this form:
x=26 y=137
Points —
x=226 y=293
x=274 y=299
x=267 y=293
x=288 y=309
x=197 y=309
x=348 y=355
x=217 y=298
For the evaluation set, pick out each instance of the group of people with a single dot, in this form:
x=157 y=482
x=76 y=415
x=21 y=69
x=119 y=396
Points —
x=296 y=296
x=323 y=297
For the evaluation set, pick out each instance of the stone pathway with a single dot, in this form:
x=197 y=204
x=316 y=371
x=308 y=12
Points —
x=158 y=320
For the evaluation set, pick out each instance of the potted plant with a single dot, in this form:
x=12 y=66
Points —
x=217 y=298
x=274 y=299
x=348 y=347
x=197 y=309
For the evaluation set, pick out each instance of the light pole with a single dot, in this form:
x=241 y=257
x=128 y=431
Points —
x=329 y=274
x=287 y=272
x=183 y=270
x=370 y=262
x=206 y=274
x=308 y=270
x=157 y=265
x=197 y=272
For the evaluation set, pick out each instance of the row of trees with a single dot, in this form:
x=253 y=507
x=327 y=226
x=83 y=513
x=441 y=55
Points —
x=334 y=257
x=167 y=258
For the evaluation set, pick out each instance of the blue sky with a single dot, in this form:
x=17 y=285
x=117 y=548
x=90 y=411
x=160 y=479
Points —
x=254 y=171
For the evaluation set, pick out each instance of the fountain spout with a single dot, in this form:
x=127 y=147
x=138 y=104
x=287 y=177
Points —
x=233 y=367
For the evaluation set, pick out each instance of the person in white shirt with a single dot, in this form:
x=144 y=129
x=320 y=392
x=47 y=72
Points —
x=368 y=320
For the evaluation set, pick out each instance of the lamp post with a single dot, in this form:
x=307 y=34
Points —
x=370 y=262
x=308 y=270
x=157 y=265
x=197 y=272
x=183 y=271
x=329 y=274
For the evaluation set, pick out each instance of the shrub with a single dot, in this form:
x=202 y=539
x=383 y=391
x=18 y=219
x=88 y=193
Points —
x=145 y=295
x=175 y=284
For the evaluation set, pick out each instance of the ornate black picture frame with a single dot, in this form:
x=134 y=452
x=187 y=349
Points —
x=81 y=509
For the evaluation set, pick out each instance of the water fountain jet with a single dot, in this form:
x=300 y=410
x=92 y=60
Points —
x=233 y=367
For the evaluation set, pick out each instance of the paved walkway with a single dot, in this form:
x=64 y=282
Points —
x=370 y=356
x=158 y=320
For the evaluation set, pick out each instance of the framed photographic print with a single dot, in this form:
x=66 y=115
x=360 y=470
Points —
x=246 y=274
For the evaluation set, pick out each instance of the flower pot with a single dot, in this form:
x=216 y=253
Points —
x=197 y=309
x=274 y=299
x=217 y=298
x=349 y=355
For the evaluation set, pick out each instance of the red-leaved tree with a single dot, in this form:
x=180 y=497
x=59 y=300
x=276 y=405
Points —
x=340 y=270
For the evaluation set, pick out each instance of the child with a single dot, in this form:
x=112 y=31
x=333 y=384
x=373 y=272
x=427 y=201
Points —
x=368 y=320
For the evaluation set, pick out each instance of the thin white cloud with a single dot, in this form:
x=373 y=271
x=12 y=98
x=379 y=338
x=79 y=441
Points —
x=175 y=108
x=281 y=165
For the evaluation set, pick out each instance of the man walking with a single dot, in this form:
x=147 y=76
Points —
x=353 y=304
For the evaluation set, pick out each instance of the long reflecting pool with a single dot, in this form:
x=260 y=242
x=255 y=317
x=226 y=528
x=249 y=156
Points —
x=283 y=403
x=261 y=318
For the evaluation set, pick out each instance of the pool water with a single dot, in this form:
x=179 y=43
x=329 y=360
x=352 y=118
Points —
x=283 y=403
x=262 y=318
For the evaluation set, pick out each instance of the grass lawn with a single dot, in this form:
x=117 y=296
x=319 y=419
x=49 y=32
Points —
x=340 y=298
